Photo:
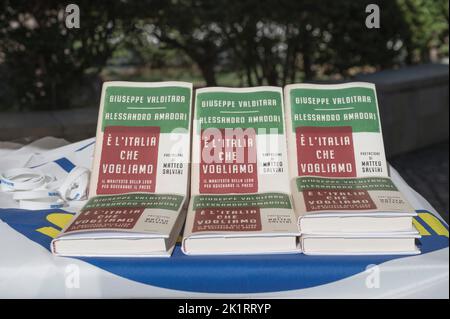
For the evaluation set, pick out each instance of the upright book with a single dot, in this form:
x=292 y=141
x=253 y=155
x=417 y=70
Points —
x=139 y=180
x=339 y=172
x=240 y=196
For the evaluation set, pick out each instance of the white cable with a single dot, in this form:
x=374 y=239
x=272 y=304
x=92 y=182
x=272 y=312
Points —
x=75 y=185
x=21 y=179
x=36 y=194
x=35 y=190
x=42 y=203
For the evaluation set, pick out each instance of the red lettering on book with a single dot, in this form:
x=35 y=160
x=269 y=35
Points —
x=325 y=151
x=228 y=161
x=227 y=219
x=336 y=200
x=129 y=160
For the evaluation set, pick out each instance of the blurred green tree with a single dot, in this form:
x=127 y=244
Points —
x=280 y=41
x=427 y=21
x=45 y=65
x=274 y=42
x=190 y=26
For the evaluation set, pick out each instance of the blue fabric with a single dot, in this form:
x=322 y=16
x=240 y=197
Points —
x=222 y=274
x=65 y=164
x=86 y=146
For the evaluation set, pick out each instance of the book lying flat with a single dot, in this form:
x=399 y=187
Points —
x=367 y=244
x=339 y=173
x=141 y=160
x=241 y=224
x=139 y=225
x=240 y=195
x=358 y=205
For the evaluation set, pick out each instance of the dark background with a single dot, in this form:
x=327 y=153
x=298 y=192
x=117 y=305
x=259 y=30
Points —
x=44 y=65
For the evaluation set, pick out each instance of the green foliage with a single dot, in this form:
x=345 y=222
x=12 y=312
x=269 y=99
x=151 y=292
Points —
x=247 y=42
x=45 y=64
x=428 y=28
x=280 y=41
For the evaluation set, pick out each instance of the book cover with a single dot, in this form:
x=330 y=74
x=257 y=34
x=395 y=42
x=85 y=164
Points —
x=318 y=194
x=334 y=130
x=240 y=175
x=139 y=180
x=142 y=142
x=338 y=168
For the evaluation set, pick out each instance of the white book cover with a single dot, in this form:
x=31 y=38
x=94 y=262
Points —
x=334 y=130
x=338 y=168
x=140 y=173
x=240 y=176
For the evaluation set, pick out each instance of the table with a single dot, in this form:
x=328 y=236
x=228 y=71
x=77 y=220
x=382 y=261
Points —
x=29 y=270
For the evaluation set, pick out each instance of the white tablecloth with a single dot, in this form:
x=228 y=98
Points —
x=29 y=270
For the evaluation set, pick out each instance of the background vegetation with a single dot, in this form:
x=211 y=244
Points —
x=44 y=65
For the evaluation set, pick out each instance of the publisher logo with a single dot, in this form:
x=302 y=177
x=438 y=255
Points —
x=316 y=200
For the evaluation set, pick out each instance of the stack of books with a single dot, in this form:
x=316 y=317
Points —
x=265 y=178
x=343 y=195
x=240 y=196
x=140 y=173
